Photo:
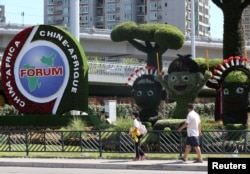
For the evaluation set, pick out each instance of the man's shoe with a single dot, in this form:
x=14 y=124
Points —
x=198 y=161
x=183 y=159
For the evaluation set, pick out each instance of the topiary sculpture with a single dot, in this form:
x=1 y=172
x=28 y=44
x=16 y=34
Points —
x=183 y=82
x=147 y=93
x=233 y=76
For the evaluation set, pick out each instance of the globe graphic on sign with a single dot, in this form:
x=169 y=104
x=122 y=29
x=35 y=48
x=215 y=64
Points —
x=41 y=71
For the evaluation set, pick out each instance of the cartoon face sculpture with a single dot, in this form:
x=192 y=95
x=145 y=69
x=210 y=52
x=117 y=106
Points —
x=233 y=75
x=182 y=83
x=147 y=92
x=184 y=76
x=235 y=89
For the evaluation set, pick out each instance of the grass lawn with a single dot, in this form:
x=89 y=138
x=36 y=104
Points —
x=94 y=155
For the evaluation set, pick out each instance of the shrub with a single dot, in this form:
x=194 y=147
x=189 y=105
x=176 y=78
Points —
x=9 y=110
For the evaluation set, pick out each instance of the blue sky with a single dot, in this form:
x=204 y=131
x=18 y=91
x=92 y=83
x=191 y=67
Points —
x=33 y=11
x=33 y=14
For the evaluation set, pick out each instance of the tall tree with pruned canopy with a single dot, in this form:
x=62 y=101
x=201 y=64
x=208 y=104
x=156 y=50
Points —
x=234 y=35
x=152 y=39
x=234 y=51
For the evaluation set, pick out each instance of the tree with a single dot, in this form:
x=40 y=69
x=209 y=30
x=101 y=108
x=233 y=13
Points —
x=233 y=52
x=157 y=38
x=233 y=36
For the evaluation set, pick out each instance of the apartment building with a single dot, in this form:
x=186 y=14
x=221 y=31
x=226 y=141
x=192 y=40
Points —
x=2 y=14
x=246 y=23
x=106 y=14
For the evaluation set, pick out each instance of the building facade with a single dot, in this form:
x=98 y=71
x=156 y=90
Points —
x=106 y=14
x=246 y=23
x=2 y=14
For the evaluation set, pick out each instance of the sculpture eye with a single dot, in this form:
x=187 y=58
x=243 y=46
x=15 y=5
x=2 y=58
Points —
x=185 y=78
x=150 y=93
x=225 y=91
x=139 y=93
x=173 y=78
x=240 y=90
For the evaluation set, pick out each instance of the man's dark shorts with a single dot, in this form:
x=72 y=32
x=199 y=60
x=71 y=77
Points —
x=193 y=141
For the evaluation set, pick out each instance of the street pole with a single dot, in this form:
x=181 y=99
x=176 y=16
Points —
x=193 y=28
x=74 y=18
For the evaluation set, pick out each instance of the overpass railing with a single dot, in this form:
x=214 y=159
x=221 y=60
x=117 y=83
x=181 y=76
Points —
x=100 y=141
x=112 y=69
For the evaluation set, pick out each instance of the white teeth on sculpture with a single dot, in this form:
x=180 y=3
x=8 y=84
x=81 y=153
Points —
x=216 y=77
x=217 y=72
x=221 y=67
x=226 y=63
x=148 y=70
x=229 y=65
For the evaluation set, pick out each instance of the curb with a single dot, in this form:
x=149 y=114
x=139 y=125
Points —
x=104 y=164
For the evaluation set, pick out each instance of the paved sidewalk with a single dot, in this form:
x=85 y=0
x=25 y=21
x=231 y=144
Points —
x=104 y=164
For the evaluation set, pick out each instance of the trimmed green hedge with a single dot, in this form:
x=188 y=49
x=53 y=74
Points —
x=44 y=120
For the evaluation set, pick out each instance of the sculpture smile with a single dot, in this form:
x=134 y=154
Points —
x=180 y=87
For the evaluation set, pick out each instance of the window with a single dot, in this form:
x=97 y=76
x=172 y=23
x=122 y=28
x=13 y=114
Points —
x=128 y=17
x=153 y=16
x=247 y=27
x=85 y=26
x=66 y=19
x=153 y=6
x=84 y=9
x=128 y=7
x=246 y=19
x=84 y=18
x=65 y=2
x=50 y=2
x=245 y=12
x=111 y=17
x=65 y=10
x=111 y=8
x=110 y=26
x=140 y=9
x=50 y=20
x=51 y=10
x=84 y=1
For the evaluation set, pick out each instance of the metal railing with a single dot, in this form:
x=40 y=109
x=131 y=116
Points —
x=120 y=142
x=112 y=69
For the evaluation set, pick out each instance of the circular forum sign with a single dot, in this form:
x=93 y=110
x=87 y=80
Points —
x=44 y=71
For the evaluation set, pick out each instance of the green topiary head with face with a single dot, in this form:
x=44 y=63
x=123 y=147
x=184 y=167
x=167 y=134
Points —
x=233 y=76
x=183 y=82
x=183 y=75
x=235 y=89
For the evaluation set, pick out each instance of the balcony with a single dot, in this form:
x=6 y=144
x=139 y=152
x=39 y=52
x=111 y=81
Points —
x=100 y=19
x=58 y=2
x=58 y=12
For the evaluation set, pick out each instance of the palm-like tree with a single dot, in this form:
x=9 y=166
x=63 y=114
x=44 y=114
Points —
x=234 y=35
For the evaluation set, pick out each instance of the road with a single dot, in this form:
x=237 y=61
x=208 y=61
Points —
x=36 y=170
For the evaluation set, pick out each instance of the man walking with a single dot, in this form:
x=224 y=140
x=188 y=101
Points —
x=193 y=125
